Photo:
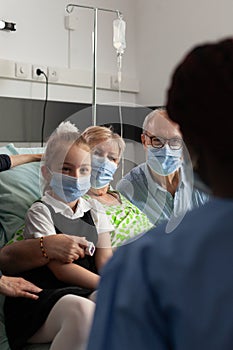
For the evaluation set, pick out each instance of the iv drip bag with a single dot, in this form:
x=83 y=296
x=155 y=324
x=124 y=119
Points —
x=119 y=42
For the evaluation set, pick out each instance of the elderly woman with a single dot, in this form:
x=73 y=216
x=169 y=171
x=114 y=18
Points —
x=107 y=148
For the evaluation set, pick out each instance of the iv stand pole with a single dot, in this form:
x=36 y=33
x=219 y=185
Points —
x=69 y=9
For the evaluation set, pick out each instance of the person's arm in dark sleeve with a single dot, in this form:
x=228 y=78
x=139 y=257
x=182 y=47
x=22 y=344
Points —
x=5 y=162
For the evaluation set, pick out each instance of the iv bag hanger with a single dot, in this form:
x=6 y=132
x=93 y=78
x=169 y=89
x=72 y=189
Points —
x=69 y=9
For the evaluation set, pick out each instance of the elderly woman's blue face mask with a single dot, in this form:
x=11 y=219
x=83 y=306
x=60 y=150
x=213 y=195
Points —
x=102 y=171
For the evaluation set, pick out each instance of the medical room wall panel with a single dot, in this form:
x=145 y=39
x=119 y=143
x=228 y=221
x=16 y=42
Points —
x=41 y=38
x=159 y=32
x=166 y=30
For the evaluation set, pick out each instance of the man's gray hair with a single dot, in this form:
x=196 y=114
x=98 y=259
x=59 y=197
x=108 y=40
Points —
x=150 y=116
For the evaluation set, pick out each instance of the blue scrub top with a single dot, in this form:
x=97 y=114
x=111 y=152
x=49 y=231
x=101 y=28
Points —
x=171 y=291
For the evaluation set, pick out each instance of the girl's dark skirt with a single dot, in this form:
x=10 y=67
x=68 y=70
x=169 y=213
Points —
x=23 y=316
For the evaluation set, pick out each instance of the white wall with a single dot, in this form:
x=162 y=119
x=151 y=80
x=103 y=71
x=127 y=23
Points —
x=41 y=37
x=159 y=32
x=166 y=29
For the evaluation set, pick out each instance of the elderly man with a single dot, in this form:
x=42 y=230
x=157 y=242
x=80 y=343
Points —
x=162 y=187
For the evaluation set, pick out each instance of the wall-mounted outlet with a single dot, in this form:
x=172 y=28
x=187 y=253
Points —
x=53 y=74
x=22 y=70
x=35 y=74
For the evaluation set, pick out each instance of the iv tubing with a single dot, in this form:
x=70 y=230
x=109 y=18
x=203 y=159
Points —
x=121 y=130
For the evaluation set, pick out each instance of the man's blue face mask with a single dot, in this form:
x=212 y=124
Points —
x=164 y=161
x=102 y=171
x=69 y=188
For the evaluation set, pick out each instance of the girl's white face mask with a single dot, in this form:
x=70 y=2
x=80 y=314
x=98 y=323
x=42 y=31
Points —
x=69 y=188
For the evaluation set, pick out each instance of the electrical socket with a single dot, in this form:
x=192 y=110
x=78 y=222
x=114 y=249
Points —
x=53 y=74
x=22 y=70
x=35 y=76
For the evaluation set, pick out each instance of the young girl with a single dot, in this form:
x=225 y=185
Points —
x=66 y=287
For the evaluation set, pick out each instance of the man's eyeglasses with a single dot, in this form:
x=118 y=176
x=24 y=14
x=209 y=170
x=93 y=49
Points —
x=175 y=143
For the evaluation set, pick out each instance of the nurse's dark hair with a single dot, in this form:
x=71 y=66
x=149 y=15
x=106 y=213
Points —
x=200 y=97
